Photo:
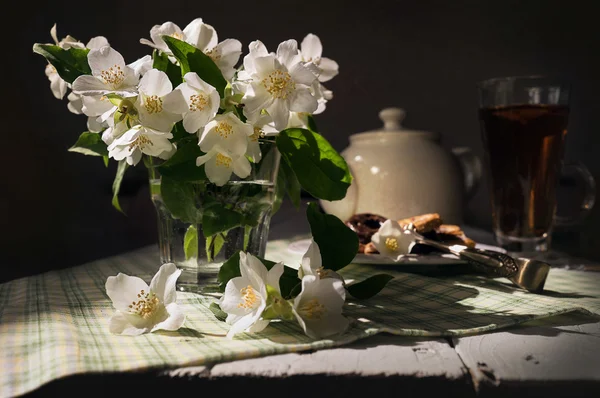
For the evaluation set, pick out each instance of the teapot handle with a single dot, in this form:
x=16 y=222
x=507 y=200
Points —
x=471 y=167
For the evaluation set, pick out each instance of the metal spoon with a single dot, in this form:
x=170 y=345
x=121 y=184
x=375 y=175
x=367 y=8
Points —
x=526 y=273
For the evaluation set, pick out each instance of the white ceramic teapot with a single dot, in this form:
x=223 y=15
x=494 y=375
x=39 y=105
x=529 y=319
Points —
x=400 y=173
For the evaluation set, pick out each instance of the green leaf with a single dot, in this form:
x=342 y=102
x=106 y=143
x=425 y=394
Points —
x=117 y=184
x=217 y=311
x=320 y=170
x=217 y=219
x=312 y=125
x=369 y=287
x=70 y=64
x=214 y=244
x=161 y=62
x=280 y=187
x=192 y=59
x=231 y=269
x=190 y=242
x=182 y=165
x=338 y=243
x=180 y=199
x=90 y=144
x=293 y=187
x=105 y=159
x=180 y=134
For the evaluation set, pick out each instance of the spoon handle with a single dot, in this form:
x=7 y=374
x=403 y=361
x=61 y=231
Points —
x=491 y=262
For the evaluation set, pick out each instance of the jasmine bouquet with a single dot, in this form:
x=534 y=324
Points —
x=223 y=141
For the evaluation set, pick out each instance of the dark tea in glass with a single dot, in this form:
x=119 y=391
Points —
x=524 y=148
x=523 y=124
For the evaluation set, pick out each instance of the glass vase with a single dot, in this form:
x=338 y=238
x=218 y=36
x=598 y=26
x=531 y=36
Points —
x=240 y=211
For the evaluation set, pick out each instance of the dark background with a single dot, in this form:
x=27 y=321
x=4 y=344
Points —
x=423 y=56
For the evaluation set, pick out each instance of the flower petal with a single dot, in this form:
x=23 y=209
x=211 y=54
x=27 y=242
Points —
x=301 y=74
x=287 y=53
x=175 y=318
x=155 y=82
x=329 y=69
x=311 y=47
x=274 y=275
x=280 y=113
x=89 y=85
x=259 y=326
x=242 y=167
x=97 y=42
x=232 y=297
x=218 y=174
x=104 y=58
x=303 y=101
x=163 y=283
x=123 y=290
x=128 y=324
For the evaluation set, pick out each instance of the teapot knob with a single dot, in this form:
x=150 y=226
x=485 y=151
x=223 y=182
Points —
x=392 y=117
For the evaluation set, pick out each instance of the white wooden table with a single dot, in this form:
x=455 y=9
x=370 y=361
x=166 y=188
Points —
x=554 y=357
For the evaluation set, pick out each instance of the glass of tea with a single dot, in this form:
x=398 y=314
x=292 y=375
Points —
x=524 y=124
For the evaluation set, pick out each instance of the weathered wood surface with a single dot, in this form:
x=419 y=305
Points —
x=558 y=356
x=382 y=355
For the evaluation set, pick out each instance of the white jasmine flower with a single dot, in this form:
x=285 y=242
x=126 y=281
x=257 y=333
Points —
x=390 y=240
x=138 y=140
x=155 y=88
x=227 y=134
x=76 y=106
x=278 y=84
x=57 y=84
x=66 y=42
x=322 y=94
x=97 y=42
x=312 y=264
x=109 y=75
x=166 y=29
x=311 y=50
x=202 y=36
x=244 y=76
x=113 y=132
x=219 y=166
x=197 y=100
x=245 y=297
x=142 y=308
x=142 y=65
x=318 y=307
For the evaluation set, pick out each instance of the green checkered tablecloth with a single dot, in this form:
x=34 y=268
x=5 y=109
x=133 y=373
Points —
x=56 y=324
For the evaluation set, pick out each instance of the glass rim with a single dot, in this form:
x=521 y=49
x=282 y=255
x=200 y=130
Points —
x=539 y=77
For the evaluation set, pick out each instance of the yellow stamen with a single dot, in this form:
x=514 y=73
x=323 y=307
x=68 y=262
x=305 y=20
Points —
x=222 y=160
x=279 y=84
x=113 y=76
x=224 y=129
x=214 y=54
x=140 y=143
x=177 y=35
x=153 y=104
x=391 y=244
x=312 y=309
x=146 y=306
x=198 y=102
x=249 y=297
x=257 y=133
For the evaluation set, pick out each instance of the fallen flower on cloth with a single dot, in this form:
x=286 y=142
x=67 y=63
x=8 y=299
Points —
x=253 y=299
x=391 y=241
x=142 y=308
x=246 y=296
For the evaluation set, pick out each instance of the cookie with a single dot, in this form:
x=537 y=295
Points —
x=423 y=223
x=365 y=225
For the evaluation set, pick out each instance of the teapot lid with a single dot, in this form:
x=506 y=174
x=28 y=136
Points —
x=392 y=118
